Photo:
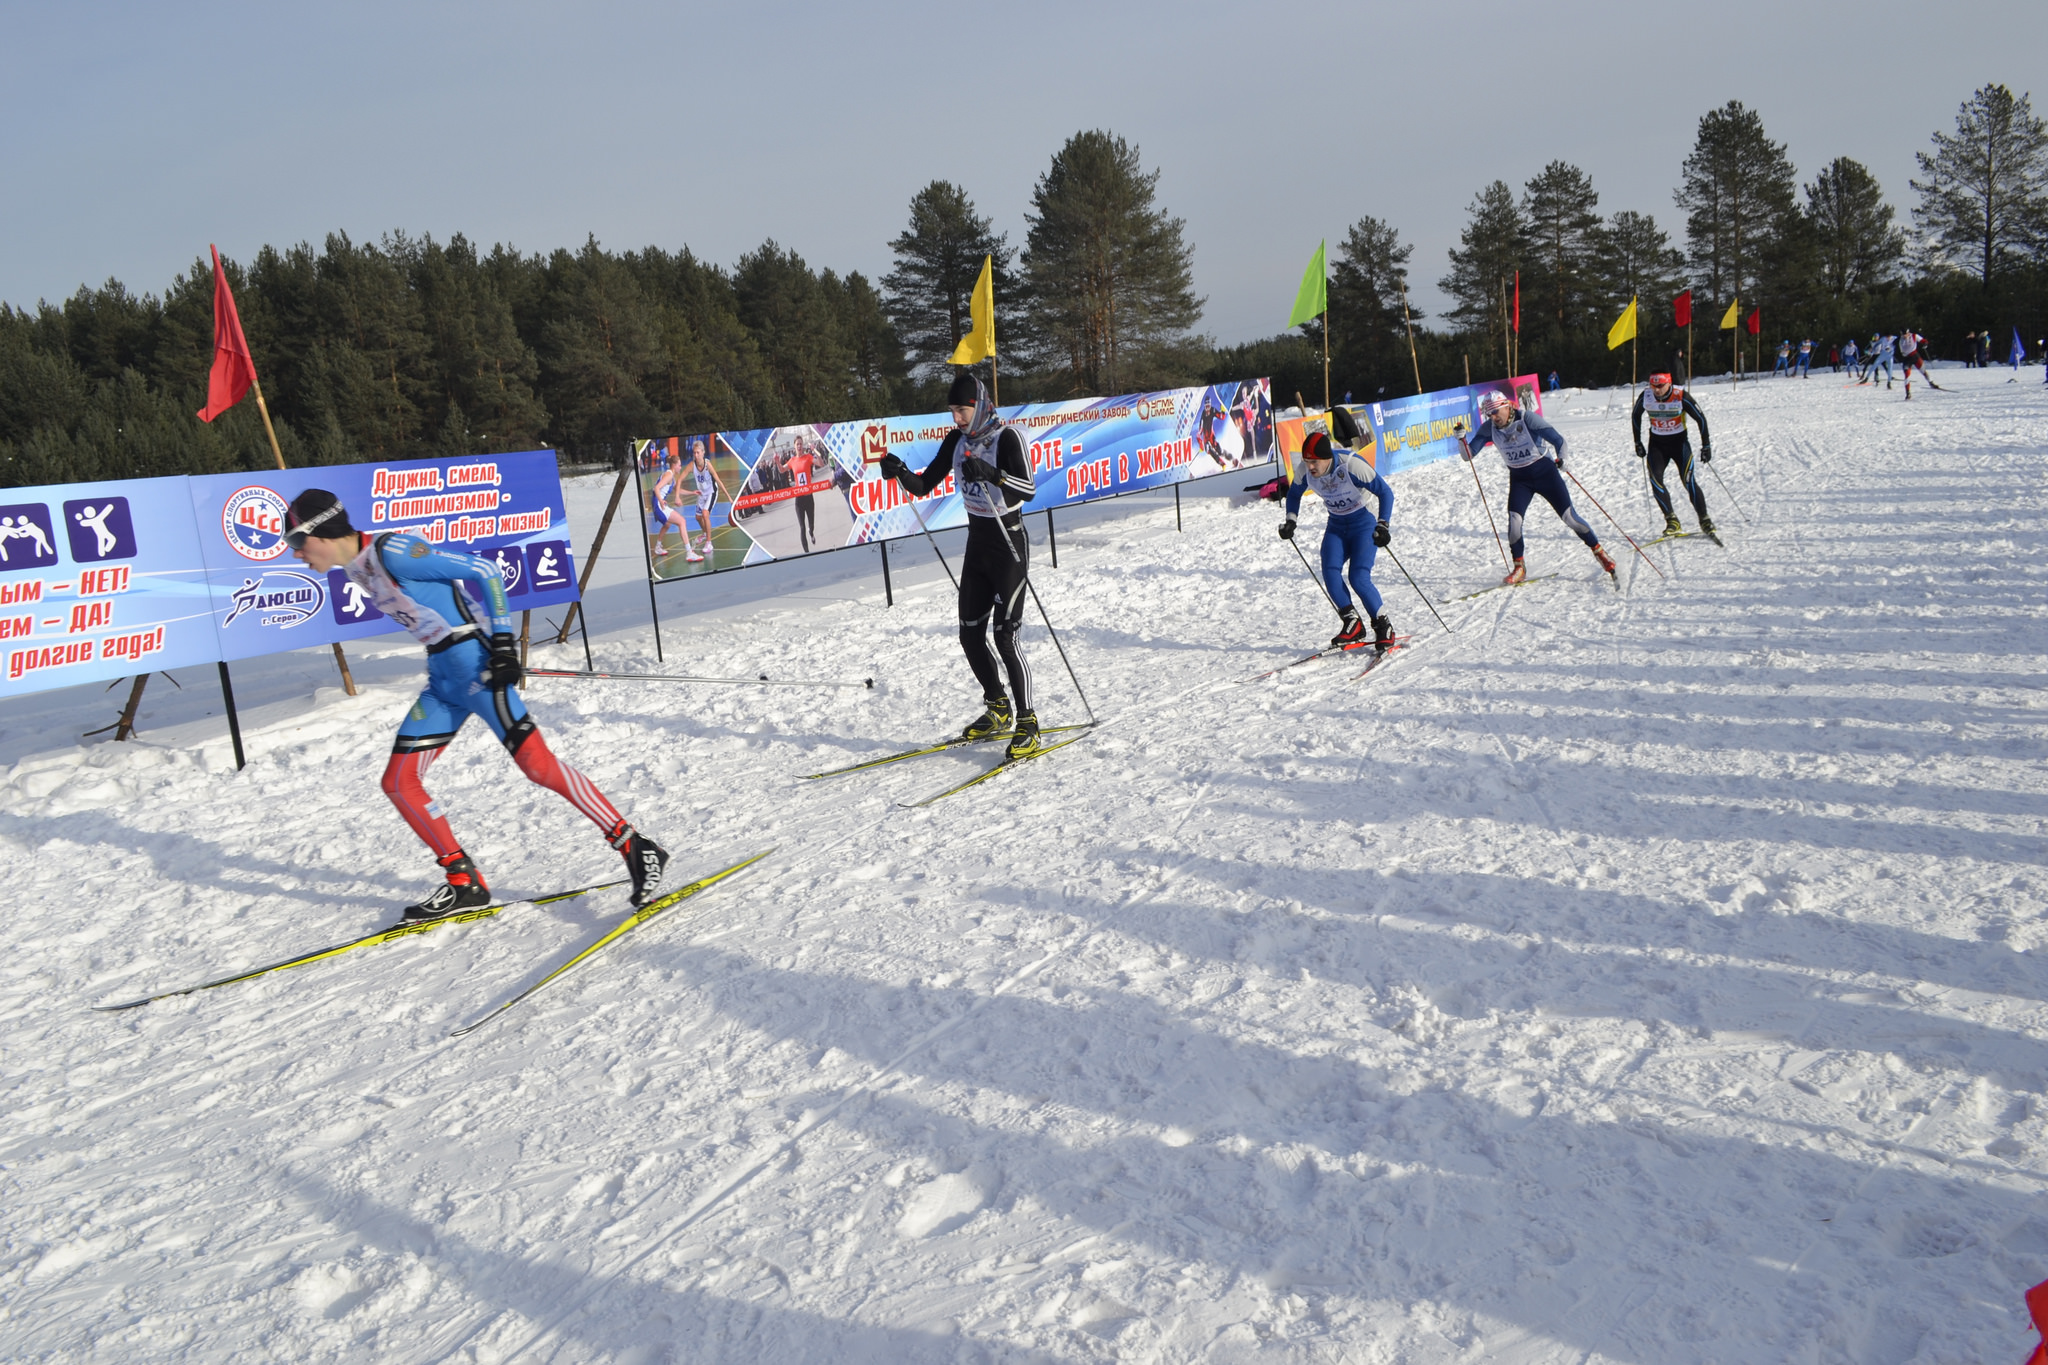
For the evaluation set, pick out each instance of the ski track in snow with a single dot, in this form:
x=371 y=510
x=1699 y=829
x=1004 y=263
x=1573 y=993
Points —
x=1643 y=976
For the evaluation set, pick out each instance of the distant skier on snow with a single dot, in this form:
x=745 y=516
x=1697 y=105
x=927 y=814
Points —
x=472 y=669
x=1520 y=437
x=1913 y=356
x=1667 y=406
x=1341 y=478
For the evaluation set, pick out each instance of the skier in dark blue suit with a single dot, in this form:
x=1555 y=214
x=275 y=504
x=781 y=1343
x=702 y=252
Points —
x=1532 y=473
x=1341 y=478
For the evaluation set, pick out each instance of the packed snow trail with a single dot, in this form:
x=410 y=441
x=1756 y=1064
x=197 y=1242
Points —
x=1649 y=977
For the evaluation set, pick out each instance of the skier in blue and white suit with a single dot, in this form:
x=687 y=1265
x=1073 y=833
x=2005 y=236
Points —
x=1532 y=473
x=1342 y=479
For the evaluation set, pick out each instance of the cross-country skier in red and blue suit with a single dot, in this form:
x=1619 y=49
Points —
x=455 y=605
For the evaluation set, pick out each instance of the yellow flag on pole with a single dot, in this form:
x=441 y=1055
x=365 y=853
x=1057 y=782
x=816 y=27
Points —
x=1624 y=326
x=980 y=342
x=1732 y=316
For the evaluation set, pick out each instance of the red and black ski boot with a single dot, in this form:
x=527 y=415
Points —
x=464 y=890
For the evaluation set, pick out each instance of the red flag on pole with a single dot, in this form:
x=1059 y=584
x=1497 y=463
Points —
x=1518 y=303
x=2037 y=1307
x=233 y=371
x=1681 y=308
x=1756 y=321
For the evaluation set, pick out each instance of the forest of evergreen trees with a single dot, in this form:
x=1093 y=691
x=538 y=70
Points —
x=410 y=347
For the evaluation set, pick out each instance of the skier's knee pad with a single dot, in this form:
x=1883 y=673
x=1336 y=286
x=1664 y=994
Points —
x=517 y=733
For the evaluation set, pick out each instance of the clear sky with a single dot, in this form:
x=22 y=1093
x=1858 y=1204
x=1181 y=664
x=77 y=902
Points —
x=135 y=134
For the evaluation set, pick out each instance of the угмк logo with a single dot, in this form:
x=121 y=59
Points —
x=253 y=522
x=282 y=597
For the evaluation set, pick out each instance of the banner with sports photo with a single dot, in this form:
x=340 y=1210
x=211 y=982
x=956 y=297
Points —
x=726 y=499
x=98 y=581
x=1402 y=433
x=505 y=508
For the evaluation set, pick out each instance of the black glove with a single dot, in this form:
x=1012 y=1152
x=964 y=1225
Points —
x=977 y=471
x=1381 y=534
x=502 y=668
x=1287 y=529
x=1706 y=454
x=1641 y=453
x=894 y=468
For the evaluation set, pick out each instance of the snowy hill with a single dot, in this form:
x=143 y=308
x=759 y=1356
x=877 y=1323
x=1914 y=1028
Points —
x=1645 y=977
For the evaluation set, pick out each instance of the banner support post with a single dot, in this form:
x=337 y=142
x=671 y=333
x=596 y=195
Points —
x=888 y=592
x=126 y=726
x=647 y=554
x=1052 y=540
x=1176 y=507
x=590 y=563
x=582 y=626
x=227 y=696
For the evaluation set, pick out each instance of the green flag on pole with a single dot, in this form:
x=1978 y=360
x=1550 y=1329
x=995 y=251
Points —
x=1313 y=297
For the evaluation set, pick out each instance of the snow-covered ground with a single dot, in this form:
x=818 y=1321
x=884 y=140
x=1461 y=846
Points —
x=1651 y=977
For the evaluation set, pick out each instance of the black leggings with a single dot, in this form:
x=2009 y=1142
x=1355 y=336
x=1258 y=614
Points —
x=992 y=590
x=1665 y=452
x=806 y=521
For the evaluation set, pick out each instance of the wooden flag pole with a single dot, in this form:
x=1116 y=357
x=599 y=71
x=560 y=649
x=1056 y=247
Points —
x=1409 y=324
x=348 y=682
x=1326 y=346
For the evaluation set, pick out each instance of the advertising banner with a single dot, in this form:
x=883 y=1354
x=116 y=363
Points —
x=1423 y=429
x=98 y=581
x=731 y=498
x=1406 y=432
x=506 y=508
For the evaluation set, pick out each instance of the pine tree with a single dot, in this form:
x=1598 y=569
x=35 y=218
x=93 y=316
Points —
x=1558 y=207
x=789 y=310
x=1493 y=246
x=938 y=260
x=1112 y=302
x=1634 y=259
x=1737 y=193
x=1368 y=280
x=1986 y=191
x=1857 y=246
x=597 y=351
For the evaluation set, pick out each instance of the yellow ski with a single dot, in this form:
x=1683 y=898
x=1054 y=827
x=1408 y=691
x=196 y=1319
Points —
x=618 y=931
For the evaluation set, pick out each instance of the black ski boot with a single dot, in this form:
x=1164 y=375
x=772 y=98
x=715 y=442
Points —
x=1382 y=634
x=1671 y=525
x=1351 y=632
x=1707 y=527
x=993 y=723
x=646 y=862
x=464 y=890
x=1024 y=742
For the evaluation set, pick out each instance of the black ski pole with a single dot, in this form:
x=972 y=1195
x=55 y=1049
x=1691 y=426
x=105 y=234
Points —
x=1060 y=647
x=1016 y=558
x=1413 y=584
x=1724 y=488
x=935 y=545
x=763 y=680
x=1318 y=579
